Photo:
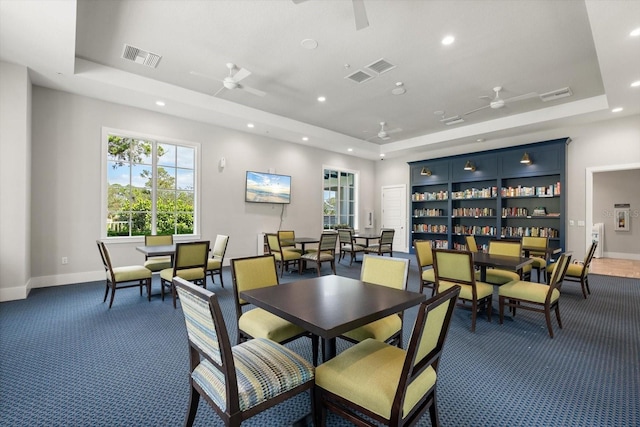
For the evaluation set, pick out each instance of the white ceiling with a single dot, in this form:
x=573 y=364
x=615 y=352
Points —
x=524 y=46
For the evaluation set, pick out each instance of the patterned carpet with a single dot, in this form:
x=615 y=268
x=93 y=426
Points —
x=66 y=360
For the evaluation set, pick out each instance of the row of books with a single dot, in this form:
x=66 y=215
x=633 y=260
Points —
x=464 y=247
x=427 y=212
x=529 y=231
x=485 y=230
x=473 y=212
x=430 y=228
x=435 y=195
x=475 y=193
x=515 y=212
x=541 y=191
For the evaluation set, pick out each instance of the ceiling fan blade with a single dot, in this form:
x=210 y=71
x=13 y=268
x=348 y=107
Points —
x=206 y=76
x=396 y=130
x=252 y=90
x=360 y=14
x=219 y=90
x=521 y=97
x=241 y=74
x=477 y=109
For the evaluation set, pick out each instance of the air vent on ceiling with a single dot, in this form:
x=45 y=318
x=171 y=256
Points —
x=556 y=94
x=453 y=120
x=381 y=66
x=359 y=76
x=140 y=56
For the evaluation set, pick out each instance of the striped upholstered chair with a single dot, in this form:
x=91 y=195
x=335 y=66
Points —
x=390 y=385
x=214 y=264
x=240 y=381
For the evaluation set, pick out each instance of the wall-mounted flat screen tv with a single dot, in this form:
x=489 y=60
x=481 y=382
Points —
x=267 y=188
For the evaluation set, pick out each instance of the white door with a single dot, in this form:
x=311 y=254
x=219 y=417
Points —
x=394 y=214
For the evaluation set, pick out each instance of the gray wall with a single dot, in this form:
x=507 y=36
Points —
x=610 y=188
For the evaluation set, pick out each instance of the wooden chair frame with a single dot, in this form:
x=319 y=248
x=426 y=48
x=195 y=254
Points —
x=583 y=279
x=178 y=265
x=540 y=271
x=386 y=240
x=220 y=255
x=276 y=249
x=424 y=257
x=348 y=244
x=326 y=245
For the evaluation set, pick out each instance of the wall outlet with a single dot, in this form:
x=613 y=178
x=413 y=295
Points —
x=65 y=260
x=572 y=222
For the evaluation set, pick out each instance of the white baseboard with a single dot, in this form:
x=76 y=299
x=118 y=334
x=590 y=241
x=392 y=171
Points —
x=621 y=255
x=21 y=292
x=15 y=293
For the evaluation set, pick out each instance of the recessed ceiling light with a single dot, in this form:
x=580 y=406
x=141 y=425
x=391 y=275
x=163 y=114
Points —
x=480 y=140
x=160 y=103
x=636 y=83
x=349 y=149
x=250 y=125
x=617 y=110
x=309 y=44
x=448 y=40
x=381 y=154
x=321 y=99
x=305 y=138
x=635 y=33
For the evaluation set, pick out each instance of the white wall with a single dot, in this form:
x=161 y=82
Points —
x=66 y=196
x=15 y=182
x=605 y=143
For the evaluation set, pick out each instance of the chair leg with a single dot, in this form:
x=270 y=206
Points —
x=488 y=307
x=353 y=255
x=106 y=291
x=173 y=294
x=547 y=315
x=221 y=281
x=558 y=315
x=162 y=289
x=315 y=342
x=585 y=286
x=333 y=266
x=320 y=411
x=501 y=308
x=433 y=411
x=113 y=294
x=149 y=290
x=194 y=399
x=474 y=312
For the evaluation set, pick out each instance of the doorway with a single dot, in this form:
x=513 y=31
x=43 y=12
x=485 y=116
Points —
x=394 y=214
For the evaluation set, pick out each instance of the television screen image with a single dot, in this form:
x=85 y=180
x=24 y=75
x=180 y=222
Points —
x=268 y=188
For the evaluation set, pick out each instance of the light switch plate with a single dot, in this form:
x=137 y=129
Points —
x=572 y=222
x=580 y=223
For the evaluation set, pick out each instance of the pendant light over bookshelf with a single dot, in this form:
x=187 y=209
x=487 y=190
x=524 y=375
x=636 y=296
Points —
x=469 y=166
x=526 y=160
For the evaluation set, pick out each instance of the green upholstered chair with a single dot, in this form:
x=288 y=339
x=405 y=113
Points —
x=214 y=264
x=424 y=256
x=456 y=268
x=498 y=276
x=348 y=244
x=254 y=273
x=577 y=271
x=534 y=296
x=237 y=381
x=123 y=277
x=284 y=257
x=392 y=386
x=189 y=263
x=326 y=252
x=391 y=272
x=384 y=245
x=288 y=240
x=540 y=257
x=158 y=263
x=472 y=246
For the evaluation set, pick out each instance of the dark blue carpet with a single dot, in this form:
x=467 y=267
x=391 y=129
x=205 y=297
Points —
x=66 y=360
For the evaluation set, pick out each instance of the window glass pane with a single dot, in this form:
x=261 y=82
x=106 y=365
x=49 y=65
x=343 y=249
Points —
x=141 y=176
x=140 y=223
x=166 y=178
x=166 y=223
x=185 y=179
x=117 y=224
x=186 y=157
x=166 y=155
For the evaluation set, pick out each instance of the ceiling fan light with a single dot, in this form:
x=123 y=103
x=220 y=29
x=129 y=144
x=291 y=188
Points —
x=526 y=160
x=469 y=166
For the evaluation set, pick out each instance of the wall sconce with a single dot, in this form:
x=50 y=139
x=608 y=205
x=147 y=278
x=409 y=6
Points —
x=425 y=172
x=469 y=166
x=526 y=160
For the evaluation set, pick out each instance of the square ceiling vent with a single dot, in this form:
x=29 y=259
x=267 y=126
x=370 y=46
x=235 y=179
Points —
x=381 y=66
x=139 y=56
x=359 y=77
x=556 y=94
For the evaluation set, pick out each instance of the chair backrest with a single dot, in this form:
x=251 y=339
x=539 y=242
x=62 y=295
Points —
x=454 y=266
x=385 y=271
x=161 y=240
x=426 y=343
x=471 y=243
x=386 y=236
x=253 y=273
x=191 y=255
x=505 y=247
x=345 y=235
x=273 y=241
x=106 y=260
x=328 y=242
x=558 y=272
x=208 y=336
x=424 y=254
x=540 y=243
x=287 y=237
x=220 y=246
x=589 y=257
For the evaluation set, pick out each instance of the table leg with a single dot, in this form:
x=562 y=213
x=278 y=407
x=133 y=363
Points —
x=483 y=273
x=329 y=348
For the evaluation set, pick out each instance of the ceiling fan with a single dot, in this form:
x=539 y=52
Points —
x=359 y=13
x=496 y=102
x=383 y=134
x=232 y=81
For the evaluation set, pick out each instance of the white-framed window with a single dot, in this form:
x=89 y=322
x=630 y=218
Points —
x=150 y=185
x=340 y=197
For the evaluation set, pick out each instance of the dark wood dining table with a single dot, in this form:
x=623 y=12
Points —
x=303 y=241
x=484 y=260
x=329 y=306
x=548 y=251
x=366 y=237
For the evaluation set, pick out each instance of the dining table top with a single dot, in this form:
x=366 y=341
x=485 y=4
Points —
x=329 y=306
x=157 y=250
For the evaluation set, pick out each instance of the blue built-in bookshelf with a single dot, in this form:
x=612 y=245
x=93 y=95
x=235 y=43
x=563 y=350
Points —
x=499 y=198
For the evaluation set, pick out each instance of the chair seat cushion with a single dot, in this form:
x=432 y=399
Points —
x=352 y=248
x=259 y=323
x=377 y=248
x=264 y=370
x=539 y=262
x=158 y=263
x=313 y=256
x=381 y=329
x=496 y=276
x=292 y=249
x=482 y=289
x=429 y=275
x=368 y=374
x=573 y=270
x=130 y=273
x=189 y=274
x=527 y=291
x=214 y=264
x=287 y=255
